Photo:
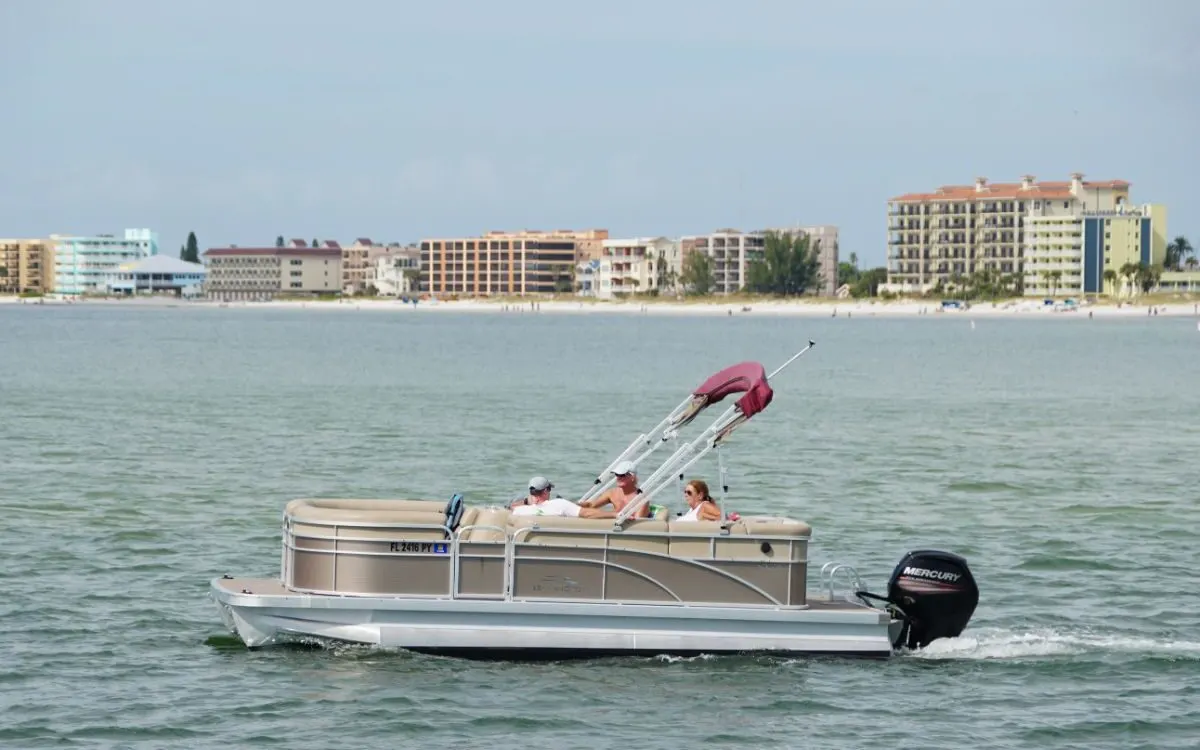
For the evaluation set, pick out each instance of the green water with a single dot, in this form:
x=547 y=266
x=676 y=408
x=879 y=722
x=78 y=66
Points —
x=144 y=451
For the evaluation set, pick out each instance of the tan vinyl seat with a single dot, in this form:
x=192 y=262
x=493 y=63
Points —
x=775 y=526
x=495 y=519
x=468 y=517
x=368 y=519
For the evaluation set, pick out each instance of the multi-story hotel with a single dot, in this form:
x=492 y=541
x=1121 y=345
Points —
x=958 y=230
x=83 y=265
x=26 y=266
x=630 y=266
x=262 y=273
x=507 y=263
x=1071 y=253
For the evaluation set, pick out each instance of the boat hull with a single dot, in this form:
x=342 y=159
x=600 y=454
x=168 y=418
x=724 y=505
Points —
x=262 y=612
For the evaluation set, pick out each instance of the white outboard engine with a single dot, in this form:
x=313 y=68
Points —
x=933 y=594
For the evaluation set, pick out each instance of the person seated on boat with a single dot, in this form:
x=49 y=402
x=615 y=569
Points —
x=539 y=492
x=539 y=503
x=701 y=506
x=623 y=494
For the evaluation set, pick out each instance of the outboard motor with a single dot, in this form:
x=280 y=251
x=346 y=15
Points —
x=934 y=595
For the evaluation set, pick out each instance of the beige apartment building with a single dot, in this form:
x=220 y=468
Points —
x=959 y=230
x=733 y=251
x=823 y=239
x=637 y=265
x=361 y=260
x=263 y=273
x=26 y=266
x=507 y=263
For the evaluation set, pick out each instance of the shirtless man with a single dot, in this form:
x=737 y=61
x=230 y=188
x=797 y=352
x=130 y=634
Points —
x=623 y=494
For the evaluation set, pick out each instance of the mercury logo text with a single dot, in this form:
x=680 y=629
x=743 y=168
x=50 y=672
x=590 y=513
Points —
x=936 y=575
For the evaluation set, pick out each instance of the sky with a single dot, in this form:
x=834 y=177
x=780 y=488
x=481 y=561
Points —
x=402 y=120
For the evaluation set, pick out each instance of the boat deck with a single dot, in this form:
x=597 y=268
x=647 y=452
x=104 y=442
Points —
x=274 y=588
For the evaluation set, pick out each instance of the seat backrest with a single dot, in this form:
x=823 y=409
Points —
x=489 y=517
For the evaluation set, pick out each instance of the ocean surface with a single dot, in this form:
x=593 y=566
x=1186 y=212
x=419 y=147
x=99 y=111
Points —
x=144 y=451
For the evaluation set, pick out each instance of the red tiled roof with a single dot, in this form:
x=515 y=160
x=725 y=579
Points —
x=319 y=251
x=332 y=245
x=1005 y=191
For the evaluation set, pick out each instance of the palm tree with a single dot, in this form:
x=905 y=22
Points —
x=1110 y=276
x=1129 y=273
x=1192 y=263
x=1178 y=251
x=1055 y=277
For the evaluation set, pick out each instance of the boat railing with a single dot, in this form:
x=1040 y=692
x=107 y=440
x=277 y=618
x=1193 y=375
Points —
x=829 y=573
x=428 y=560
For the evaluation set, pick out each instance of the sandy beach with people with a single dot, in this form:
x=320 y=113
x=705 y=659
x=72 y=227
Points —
x=849 y=308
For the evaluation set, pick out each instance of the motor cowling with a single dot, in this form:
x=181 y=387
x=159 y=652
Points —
x=936 y=594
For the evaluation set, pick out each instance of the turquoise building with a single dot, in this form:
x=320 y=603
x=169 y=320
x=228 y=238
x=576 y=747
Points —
x=84 y=265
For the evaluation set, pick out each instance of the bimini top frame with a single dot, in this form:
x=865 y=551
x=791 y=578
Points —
x=747 y=378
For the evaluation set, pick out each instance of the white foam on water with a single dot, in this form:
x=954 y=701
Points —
x=998 y=643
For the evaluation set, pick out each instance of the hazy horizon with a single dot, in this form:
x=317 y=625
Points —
x=399 y=121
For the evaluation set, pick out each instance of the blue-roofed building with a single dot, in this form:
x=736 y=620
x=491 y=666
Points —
x=83 y=265
x=158 y=274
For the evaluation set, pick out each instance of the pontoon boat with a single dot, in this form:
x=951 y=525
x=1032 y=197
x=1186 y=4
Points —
x=448 y=578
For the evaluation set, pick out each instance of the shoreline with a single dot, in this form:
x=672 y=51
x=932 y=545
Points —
x=848 y=308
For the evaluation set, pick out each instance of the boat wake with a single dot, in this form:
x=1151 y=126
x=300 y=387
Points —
x=1001 y=643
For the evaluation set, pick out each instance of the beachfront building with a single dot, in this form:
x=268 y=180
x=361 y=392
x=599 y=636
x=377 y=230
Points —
x=823 y=239
x=395 y=273
x=731 y=251
x=1179 y=281
x=83 y=265
x=263 y=273
x=360 y=262
x=587 y=278
x=1070 y=251
x=158 y=274
x=943 y=237
x=26 y=266
x=637 y=265
x=507 y=263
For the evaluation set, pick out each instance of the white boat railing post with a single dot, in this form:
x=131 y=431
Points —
x=722 y=478
x=652 y=440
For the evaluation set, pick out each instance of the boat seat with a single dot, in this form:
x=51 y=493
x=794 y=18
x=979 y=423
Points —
x=775 y=526
x=468 y=517
x=571 y=532
x=342 y=505
x=378 y=519
x=487 y=517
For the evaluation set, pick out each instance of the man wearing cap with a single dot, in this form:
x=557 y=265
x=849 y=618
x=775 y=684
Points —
x=539 y=503
x=623 y=494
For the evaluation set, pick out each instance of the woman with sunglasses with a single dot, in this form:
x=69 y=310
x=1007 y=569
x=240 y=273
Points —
x=701 y=506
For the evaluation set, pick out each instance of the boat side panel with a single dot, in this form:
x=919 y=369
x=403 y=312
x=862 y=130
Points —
x=418 y=575
x=481 y=569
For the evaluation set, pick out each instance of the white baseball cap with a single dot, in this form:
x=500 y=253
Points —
x=537 y=484
x=624 y=467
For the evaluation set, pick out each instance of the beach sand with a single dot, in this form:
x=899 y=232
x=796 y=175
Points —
x=1026 y=308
